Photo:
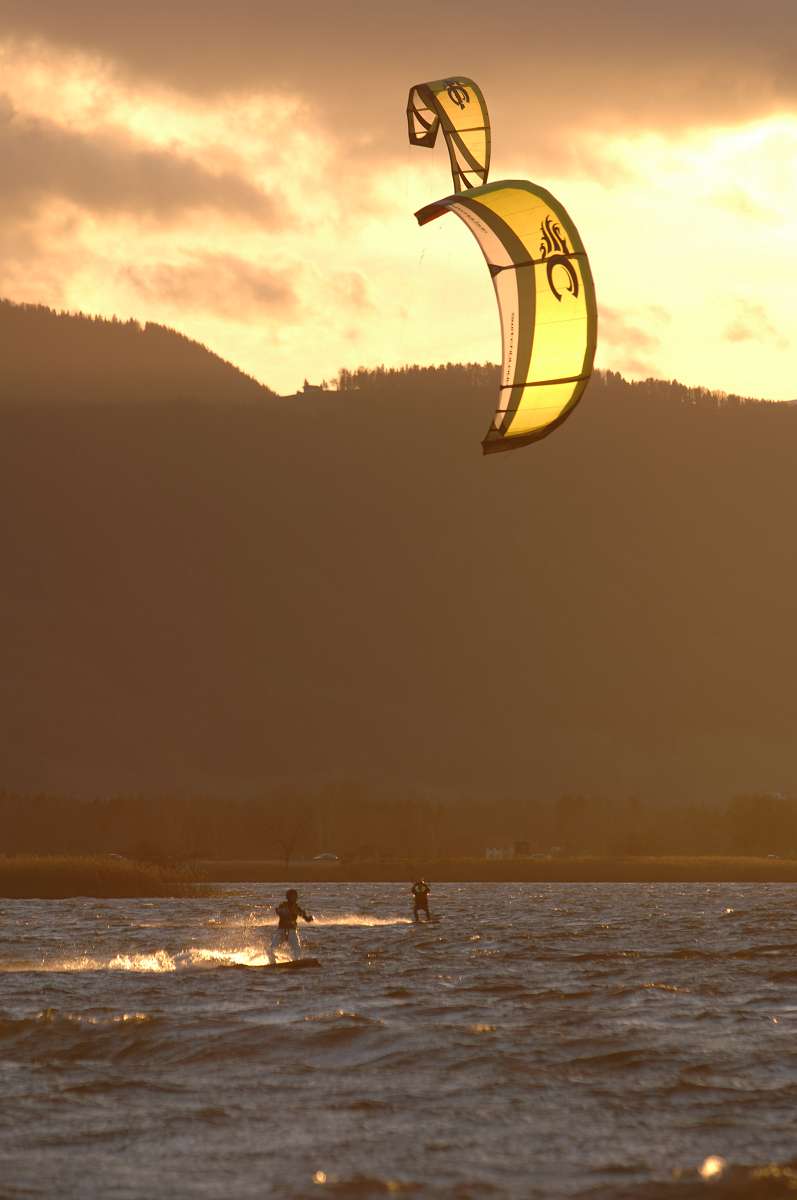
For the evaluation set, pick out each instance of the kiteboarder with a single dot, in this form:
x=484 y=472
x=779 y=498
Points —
x=286 y=932
x=420 y=899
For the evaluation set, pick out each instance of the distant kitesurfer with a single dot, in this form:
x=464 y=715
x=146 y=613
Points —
x=286 y=932
x=420 y=899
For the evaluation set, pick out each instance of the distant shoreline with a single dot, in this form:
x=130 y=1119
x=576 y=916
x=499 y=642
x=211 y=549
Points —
x=664 y=869
x=60 y=877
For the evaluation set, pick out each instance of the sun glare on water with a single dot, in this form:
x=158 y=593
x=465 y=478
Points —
x=249 y=948
x=713 y=1167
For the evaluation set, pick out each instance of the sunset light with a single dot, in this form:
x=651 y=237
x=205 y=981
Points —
x=247 y=223
x=398 y=468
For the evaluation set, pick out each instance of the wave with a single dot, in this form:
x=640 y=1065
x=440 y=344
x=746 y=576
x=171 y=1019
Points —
x=648 y=986
x=339 y=1028
x=782 y=976
x=341 y=1014
x=715 y=1177
x=364 y=1185
x=676 y=953
x=53 y=1036
x=10 y=1026
x=619 y=1059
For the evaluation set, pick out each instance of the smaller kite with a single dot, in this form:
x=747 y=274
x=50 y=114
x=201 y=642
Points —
x=457 y=106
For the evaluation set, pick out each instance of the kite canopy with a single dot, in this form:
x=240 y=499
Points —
x=457 y=106
x=546 y=299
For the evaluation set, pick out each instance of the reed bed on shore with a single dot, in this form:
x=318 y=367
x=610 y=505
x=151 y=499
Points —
x=104 y=876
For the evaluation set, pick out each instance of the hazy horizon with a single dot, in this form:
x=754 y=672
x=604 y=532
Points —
x=271 y=652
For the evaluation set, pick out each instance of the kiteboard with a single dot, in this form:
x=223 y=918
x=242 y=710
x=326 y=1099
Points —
x=295 y=964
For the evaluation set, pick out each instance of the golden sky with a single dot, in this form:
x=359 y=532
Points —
x=242 y=174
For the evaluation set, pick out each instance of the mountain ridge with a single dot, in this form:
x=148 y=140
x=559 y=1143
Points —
x=214 y=598
x=73 y=357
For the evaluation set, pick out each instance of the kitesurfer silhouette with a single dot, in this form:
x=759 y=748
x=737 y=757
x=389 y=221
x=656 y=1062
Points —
x=420 y=899
x=286 y=933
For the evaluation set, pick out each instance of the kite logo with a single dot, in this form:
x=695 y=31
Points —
x=554 y=240
x=457 y=94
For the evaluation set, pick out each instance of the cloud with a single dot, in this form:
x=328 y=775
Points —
x=173 y=161
x=634 y=348
x=752 y=324
x=350 y=290
x=617 y=64
x=219 y=284
x=735 y=200
x=112 y=173
x=580 y=154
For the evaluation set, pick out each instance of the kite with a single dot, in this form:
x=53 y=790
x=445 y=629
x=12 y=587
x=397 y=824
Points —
x=546 y=300
x=539 y=267
x=457 y=106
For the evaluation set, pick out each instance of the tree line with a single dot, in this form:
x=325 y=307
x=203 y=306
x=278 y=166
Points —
x=472 y=375
x=349 y=820
x=667 y=393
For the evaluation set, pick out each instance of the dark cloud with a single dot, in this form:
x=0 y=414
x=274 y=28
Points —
x=111 y=173
x=607 y=66
x=220 y=284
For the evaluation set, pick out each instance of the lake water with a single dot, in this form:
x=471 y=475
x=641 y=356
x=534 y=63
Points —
x=539 y=1041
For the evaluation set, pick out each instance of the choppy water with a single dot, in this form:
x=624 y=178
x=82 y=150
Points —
x=540 y=1041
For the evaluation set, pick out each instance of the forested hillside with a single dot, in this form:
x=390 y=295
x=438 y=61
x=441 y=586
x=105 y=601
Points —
x=223 y=599
x=48 y=358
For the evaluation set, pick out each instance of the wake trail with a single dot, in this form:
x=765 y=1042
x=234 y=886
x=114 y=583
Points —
x=321 y=920
x=152 y=962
